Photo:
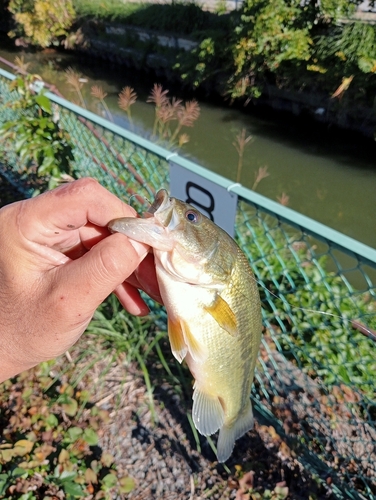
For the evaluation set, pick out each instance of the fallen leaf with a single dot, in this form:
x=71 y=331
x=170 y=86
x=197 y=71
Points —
x=247 y=481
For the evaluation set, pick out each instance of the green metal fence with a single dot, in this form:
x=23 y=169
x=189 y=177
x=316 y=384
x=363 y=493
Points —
x=315 y=375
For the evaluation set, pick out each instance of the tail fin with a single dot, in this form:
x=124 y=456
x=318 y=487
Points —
x=228 y=435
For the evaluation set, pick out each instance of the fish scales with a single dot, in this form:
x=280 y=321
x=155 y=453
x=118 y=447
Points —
x=214 y=312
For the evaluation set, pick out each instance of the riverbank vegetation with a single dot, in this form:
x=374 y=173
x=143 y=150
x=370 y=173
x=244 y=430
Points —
x=308 y=47
x=180 y=18
x=34 y=134
x=41 y=23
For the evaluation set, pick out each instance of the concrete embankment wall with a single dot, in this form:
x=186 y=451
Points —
x=320 y=107
x=159 y=56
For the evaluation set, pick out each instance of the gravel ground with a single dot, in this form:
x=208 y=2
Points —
x=155 y=445
x=163 y=459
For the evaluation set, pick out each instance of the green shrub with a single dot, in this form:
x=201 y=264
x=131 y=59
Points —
x=41 y=22
x=42 y=146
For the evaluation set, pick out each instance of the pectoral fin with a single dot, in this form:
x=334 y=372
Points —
x=223 y=315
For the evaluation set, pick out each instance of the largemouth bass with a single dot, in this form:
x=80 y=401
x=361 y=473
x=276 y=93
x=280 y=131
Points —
x=213 y=308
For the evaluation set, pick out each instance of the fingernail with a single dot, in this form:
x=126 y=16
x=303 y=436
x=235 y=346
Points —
x=141 y=248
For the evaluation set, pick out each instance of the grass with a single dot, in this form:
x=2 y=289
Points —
x=107 y=10
x=119 y=334
x=178 y=17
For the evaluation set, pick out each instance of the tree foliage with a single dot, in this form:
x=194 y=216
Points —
x=41 y=22
x=269 y=35
x=353 y=46
x=295 y=44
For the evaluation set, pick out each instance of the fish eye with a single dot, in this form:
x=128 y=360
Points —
x=192 y=216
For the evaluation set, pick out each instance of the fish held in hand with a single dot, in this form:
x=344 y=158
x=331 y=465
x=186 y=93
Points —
x=213 y=308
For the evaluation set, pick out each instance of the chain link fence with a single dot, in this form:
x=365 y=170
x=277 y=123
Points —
x=315 y=378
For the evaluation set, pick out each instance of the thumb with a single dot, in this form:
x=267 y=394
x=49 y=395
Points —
x=84 y=283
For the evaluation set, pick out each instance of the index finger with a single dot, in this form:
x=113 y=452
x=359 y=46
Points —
x=70 y=207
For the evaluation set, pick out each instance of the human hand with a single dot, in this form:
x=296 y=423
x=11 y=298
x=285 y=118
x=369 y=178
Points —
x=58 y=262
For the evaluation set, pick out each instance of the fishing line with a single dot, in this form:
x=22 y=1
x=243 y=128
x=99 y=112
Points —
x=139 y=199
x=356 y=324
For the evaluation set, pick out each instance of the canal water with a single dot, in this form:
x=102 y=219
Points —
x=327 y=174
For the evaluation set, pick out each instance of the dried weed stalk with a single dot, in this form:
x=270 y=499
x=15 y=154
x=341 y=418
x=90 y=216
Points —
x=283 y=199
x=21 y=64
x=127 y=98
x=240 y=144
x=98 y=92
x=167 y=111
x=74 y=79
x=261 y=173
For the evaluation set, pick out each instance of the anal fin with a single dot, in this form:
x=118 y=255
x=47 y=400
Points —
x=207 y=412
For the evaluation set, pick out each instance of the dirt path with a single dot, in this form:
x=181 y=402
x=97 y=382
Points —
x=155 y=445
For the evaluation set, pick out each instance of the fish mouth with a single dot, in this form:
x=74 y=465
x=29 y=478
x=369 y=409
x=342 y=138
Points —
x=155 y=225
x=160 y=203
x=162 y=209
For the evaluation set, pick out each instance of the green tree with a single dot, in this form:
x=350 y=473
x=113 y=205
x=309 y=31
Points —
x=269 y=37
x=41 y=22
x=306 y=45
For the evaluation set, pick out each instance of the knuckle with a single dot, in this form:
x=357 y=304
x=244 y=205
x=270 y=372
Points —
x=84 y=185
x=87 y=182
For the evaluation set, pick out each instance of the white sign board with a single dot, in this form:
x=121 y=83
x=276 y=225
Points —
x=214 y=201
